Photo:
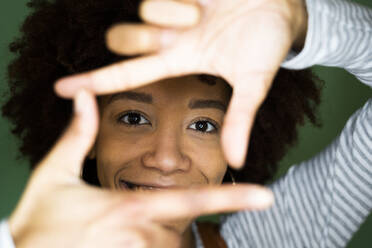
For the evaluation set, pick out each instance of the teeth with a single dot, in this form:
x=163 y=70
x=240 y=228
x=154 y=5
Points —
x=143 y=188
x=134 y=187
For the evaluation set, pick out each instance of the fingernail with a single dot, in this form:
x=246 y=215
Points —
x=261 y=198
x=58 y=88
x=235 y=147
x=64 y=87
x=237 y=155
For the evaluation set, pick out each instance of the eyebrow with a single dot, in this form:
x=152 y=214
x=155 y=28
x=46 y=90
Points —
x=200 y=103
x=135 y=96
x=147 y=98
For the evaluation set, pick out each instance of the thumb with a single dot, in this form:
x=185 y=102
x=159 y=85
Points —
x=71 y=149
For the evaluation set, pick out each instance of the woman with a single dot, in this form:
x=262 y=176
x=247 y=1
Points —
x=152 y=137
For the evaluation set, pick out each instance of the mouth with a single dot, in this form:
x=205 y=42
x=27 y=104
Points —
x=125 y=185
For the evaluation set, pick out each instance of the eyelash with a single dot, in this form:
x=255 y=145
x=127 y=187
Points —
x=125 y=114
x=208 y=121
x=142 y=116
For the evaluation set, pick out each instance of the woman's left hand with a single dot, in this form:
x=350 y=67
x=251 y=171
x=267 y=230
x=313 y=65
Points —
x=242 y=41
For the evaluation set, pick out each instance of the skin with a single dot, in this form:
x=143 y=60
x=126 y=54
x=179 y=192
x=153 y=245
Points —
x=168 y=149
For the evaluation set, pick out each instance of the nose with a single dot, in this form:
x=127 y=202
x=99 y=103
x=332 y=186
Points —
x=166 y=155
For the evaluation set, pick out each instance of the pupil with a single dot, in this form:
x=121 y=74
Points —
x=133 y=118
x=201 y=125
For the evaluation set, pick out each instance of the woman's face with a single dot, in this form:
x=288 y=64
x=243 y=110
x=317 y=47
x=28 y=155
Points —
x=165 y=135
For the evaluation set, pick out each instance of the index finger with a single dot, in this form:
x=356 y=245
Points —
x=118 y=77
x=186 y=203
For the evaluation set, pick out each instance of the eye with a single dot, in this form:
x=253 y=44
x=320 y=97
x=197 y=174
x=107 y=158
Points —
x=204 y=126
x=134 y=119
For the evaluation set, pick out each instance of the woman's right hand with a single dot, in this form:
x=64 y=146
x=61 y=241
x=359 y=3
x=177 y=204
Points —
x=58 y=209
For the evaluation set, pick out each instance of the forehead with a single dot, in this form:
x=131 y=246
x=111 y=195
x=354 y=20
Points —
x=190 y=86
x=184 y=88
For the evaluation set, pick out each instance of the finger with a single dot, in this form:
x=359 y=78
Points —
x=71 y=149
x=123 y=76
x=179 y=204
x=239 y=120
x=134 y=39
x=170 y=13
x=252 y=79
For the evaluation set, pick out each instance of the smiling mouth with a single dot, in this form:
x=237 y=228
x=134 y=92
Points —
x=136 y=187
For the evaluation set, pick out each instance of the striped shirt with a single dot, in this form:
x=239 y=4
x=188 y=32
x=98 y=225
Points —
x=323 y=201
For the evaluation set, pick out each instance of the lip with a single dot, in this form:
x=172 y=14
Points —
x=153 y=185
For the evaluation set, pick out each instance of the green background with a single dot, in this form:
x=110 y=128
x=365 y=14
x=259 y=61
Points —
x=342 y=95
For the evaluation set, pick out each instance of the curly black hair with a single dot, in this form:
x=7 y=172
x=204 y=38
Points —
x=63 y=37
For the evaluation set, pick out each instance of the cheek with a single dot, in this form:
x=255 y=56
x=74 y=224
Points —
x=210 y=161
x=217 y=174
x=113 y=151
